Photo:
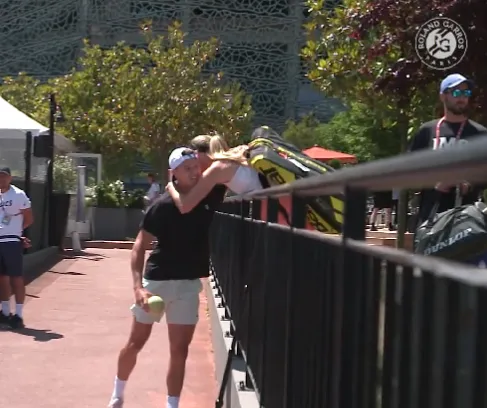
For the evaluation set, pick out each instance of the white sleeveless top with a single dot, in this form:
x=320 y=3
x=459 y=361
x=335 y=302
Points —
x=245 y=180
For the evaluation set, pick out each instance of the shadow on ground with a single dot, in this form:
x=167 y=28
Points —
x=39 y=269
x=41 y=335
x=68 y=273
x=71 y=254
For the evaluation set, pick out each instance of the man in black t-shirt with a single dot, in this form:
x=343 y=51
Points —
x=172 y=271
x=452 y=129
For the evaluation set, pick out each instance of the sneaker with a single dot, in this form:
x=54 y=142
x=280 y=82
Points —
x=16 y=322
x=5 y=320
x=373 y=228
x=116 y=403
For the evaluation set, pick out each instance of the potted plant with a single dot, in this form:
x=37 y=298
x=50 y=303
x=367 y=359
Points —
x=134 y=202
x=64 y=185
x=109 y=215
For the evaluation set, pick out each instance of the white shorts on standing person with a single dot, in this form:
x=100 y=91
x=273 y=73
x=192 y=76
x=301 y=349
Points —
x=15 y=217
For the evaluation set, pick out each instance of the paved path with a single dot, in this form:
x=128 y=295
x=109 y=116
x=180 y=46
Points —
x=78 y=319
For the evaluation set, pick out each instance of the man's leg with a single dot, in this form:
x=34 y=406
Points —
x=12 y=254
x=181 y=316
x=127 y=359
x=139 y=334
x=180 y=337
x=373 y=218
x=4 y=298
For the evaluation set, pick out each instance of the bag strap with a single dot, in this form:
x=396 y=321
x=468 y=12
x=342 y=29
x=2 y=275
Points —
x=458 y=196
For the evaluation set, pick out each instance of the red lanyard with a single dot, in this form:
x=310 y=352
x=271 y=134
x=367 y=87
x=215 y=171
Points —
x=438 y=125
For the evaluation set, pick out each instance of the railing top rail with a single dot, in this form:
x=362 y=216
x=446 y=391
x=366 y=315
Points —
x=412 y=170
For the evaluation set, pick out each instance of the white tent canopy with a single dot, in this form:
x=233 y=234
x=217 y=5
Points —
x=14 y=124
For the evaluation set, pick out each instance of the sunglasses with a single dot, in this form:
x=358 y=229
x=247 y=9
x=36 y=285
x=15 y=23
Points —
x=189 y=152
x=458 y=93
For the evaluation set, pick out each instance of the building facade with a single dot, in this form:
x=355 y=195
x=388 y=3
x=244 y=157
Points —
x=260 y=42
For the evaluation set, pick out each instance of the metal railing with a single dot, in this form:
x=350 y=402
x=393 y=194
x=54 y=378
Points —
x=330 y=321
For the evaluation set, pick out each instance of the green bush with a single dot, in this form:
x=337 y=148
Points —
x=64 y=175
x=109 y=195
x=135 y=199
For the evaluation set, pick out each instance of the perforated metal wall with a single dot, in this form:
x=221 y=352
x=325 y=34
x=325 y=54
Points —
x=261 y=39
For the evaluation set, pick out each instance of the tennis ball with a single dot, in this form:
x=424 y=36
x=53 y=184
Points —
x=156 y=305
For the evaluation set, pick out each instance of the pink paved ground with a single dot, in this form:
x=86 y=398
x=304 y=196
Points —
x=78 y=318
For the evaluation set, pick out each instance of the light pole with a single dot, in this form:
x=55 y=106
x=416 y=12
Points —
x=55 y=116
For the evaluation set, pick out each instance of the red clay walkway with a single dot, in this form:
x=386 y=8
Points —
x=78 y=318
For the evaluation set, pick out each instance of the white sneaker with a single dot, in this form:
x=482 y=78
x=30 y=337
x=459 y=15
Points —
x=116 y=403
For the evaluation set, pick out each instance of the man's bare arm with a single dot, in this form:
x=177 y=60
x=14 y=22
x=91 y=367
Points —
x=28 y=217
x=137 y=257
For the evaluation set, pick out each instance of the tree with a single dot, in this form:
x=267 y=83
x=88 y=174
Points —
x=169 y=98
x=123 y=101
x=28 y=95
x=349 y=63
x=357 y=132
x=303 y=133
x=365 y=51
x=395 y=25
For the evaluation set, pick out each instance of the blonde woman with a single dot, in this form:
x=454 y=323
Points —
x=220 y=165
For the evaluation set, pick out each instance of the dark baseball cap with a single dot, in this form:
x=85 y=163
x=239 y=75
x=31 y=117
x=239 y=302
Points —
x=5 y=170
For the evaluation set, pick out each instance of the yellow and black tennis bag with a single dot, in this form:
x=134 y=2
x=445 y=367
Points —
x=279 y=162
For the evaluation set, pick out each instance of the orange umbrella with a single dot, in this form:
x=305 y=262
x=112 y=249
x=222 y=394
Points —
x=318 y=153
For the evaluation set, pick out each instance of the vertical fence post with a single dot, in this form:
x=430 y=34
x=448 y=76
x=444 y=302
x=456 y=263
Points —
x=298 y=220
x=343 y=310
x=256 y=206
x=272 y=216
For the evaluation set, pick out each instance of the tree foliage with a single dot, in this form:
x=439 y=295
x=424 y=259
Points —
x=302 y=134
x=365 y=50
x=357 y=132
x=125 y=100
x=353 y=131
x=396 y=23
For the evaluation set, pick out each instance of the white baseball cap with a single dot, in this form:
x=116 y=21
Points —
x=179 y=155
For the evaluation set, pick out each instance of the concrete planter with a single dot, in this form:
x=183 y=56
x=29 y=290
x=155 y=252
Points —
x=134 y=217
x=109 y=224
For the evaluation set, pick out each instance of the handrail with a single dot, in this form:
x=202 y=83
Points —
x=411 y=170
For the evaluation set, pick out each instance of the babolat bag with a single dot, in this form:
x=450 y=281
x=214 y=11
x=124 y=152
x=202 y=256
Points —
x=279 y=162
x=458 y=234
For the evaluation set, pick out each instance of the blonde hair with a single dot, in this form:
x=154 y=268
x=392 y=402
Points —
x=217 y=148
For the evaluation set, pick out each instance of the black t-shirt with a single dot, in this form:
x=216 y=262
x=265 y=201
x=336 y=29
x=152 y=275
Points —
x=426 y=139
x=182 y=250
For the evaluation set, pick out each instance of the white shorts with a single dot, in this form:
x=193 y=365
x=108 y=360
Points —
x=181 y=301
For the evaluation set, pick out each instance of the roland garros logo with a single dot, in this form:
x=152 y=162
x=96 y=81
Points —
x=441 y=43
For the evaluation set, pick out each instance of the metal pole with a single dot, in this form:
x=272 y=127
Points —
x=80 y=207
x=50 y=164
x=28 y=162
x=27 y=172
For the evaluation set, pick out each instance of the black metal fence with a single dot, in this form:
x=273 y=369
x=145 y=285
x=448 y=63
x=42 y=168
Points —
x=325 y=321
